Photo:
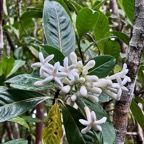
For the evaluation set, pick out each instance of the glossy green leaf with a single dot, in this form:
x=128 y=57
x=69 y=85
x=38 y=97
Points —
x=17 y=65
x=15 y=102
x=112 y=48
x=128 y=6
x=17 y=141
x=104 y=64
x=7 y=65
x=52 y=133
x=138 y=114
x=20 y=121
x=58 y=28
x=139 y=100
x=71 y=123
x=101 y=30
x=108 y=133
x=26 y=82
x=122 y=36
x=85 y=20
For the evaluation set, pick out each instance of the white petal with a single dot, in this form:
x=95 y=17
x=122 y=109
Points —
x=119 y=93
x=124 y=88
x=50 y=72
x=85 y=130
x=62 y=74
x=103 y=83
x=48 y=79
x=88 y=113
x=70 y=75
x=50 y=57
x=83 y=91
x=41 y=72
x=41 y=57
x=37 y=64
x=101 y=121
x=84 y=122
x=58 y=81
x=66 y=62
x=98 y=127
x=116 y=85
x=56 y=67
x=93 y=116
x=111 y=94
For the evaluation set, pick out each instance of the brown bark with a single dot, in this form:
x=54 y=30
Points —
x=136 y=47
x=1 y=29
x=39 y=126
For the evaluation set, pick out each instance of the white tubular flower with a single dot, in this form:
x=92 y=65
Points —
x=92 y=78
x=53 y=75
x=121 y=74
x=95 y=90
x=93 y=98
x=112 y=94
x=81 y=80
x=91 y=121
x=83 y=91
x=43 y=62
x=103 y=83
x=88 y=66
x=67 y=69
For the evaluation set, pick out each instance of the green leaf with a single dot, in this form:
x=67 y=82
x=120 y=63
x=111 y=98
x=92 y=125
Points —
x=85 y=20
x=71 y=123
x=139 y=100
x=31 y=14
x=7 y=65
x=108 y=133
x=52 y=133
x=128 y=6
x=58 y=28
x=14 y=102
x=17 y=141
x=122 y=36
x=26 y=82
x=112 y=48
x=101 y=31
x=138 y=114
x=58 y=55
x=104 y=64
x=17 y=65
x=20 y=121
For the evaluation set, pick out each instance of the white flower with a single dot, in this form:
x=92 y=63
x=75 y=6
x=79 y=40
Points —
x=65 y=89
x=67 y=69
x=74 y=97
x=91 y=121
x=103 y=83
x=121 y=74
x=53 y=75
x=43 y=62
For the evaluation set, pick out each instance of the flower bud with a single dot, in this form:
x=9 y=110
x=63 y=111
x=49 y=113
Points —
x=66 y=89
x=73 y=97
x=89 y=65
x=95 y=90
x=92 y=78
x=83 y=91
x=73 y=58
x=103 y=83
x=82 y=80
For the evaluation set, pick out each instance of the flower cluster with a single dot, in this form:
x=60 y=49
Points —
x=74 y=80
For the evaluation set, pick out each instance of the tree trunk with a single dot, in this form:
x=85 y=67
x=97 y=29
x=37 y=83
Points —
x=133 y=62
x=1 y=29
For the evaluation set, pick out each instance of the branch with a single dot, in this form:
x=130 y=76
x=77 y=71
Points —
x=1 y=30
x=136 y=47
